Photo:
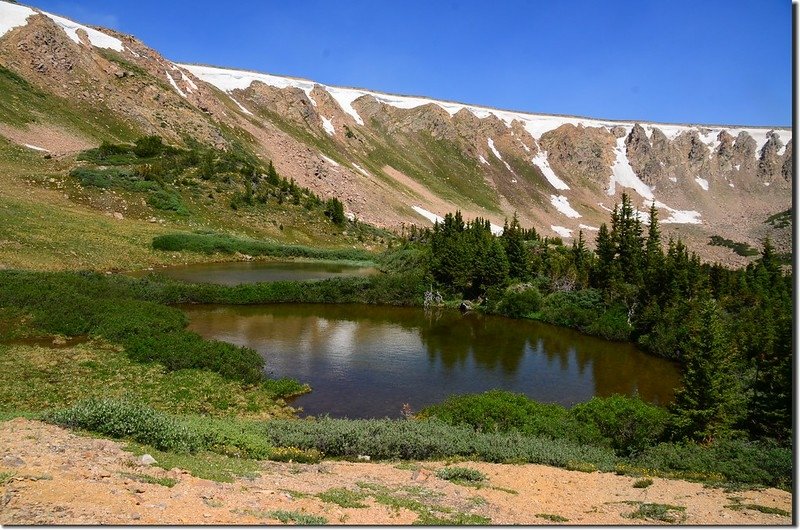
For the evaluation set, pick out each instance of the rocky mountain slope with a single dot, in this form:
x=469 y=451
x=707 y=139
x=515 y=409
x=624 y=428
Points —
x=394 y=160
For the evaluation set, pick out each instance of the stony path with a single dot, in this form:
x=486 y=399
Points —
x=51 y=476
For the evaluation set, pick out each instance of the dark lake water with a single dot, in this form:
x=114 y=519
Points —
x=367 y=361
x=235 y=273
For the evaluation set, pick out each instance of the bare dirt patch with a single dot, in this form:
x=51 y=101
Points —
x=51 y=476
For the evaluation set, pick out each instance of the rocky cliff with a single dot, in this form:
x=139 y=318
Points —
x=394 y=159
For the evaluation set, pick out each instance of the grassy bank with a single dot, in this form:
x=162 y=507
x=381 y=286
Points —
x=212 y=243
x=732 y=463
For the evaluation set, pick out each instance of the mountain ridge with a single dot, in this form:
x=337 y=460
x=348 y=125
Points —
x=390 y=157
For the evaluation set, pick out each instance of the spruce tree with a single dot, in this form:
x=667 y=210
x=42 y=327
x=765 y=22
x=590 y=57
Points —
x=514 y=246
x=710 y=400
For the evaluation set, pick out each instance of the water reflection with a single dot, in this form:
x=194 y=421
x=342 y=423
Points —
x=366 y=361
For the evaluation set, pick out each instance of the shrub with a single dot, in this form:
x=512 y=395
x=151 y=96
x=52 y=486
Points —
x=293 y=454
x=738 y=461
x=573 y=309
x=461 y=475
x=612 y=325
x=148 y=146
x=124 y=419
x=520 y=301
x=168 y=201
x=628 y=424
x=503 y=411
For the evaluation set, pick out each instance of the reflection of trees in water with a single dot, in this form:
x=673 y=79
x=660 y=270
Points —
x=454 y=340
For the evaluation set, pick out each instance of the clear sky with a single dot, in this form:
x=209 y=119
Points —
x=695 y=61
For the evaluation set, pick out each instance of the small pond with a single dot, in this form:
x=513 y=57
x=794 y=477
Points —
x=367 y=361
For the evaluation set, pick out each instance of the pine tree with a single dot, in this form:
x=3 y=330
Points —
x=710 y=401
x=604 y=271
x=272 y=175
x=514 y=246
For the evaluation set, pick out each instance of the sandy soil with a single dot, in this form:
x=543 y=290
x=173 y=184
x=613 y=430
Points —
x=60 y=478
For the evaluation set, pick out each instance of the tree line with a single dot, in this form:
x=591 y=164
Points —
x=730 y=329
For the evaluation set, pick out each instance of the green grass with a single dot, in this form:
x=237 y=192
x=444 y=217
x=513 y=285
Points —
x=461 y=475
x=419 y=502
x=738 y=506
x=552 y=517
x=150 y=479
x=24 y=104
x=643 y=483
x=35 y=378
x=5 y=476
x=343 y=497
x=299 y=518
x=204 y=464
x=212 y=243
x=665 y=513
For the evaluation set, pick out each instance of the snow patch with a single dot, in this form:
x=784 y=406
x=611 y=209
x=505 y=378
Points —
x=96 y=38
x=690 y=217
x=188 y=80
x=560 y=230
x=13 y=16
x=430 y=216
x=703 y=183
x=490 y=143
x=240 y=106
x=540 y=161
x=483 y=160
x=737 y=166
x=673 y=179
x=328 y=125
x=589 y=228
x=535 y=124
x=175 y=85
x=330 y=161
x=362 y=170
x=731 y=184
x=36 y=148
x=562 y=205
x=766 y=184
x=622 y=173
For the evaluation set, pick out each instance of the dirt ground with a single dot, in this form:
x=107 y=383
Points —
x=50 y=476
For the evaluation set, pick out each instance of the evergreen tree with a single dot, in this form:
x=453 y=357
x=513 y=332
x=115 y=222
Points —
x=514 y=246
x=604 y=271
x=272 y=175
x=710 y=401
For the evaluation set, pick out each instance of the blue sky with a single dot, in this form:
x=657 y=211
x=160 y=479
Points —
x=697 y=61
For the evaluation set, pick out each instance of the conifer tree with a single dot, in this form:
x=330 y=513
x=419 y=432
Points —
x=514 y=246
x=710 y=400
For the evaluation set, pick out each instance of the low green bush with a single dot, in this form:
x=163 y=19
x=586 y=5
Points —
x=460 y=474
x=503 y=411
x=428 y=439
x=168 y=201
x=112 y=178
x=123 y=419
x=520 y=302
x=210 y=243
x=573 y=309
x=626 y=424
x=612 y=325
x=738 y=461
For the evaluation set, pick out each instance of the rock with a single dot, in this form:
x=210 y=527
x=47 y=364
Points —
x=365 y=458
x=147 y=460
x=120 y=74
x=118 y=215
x=13 y=461
x=465 y=306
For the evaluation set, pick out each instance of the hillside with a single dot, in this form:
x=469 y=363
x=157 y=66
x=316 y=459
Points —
x=392 y=160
